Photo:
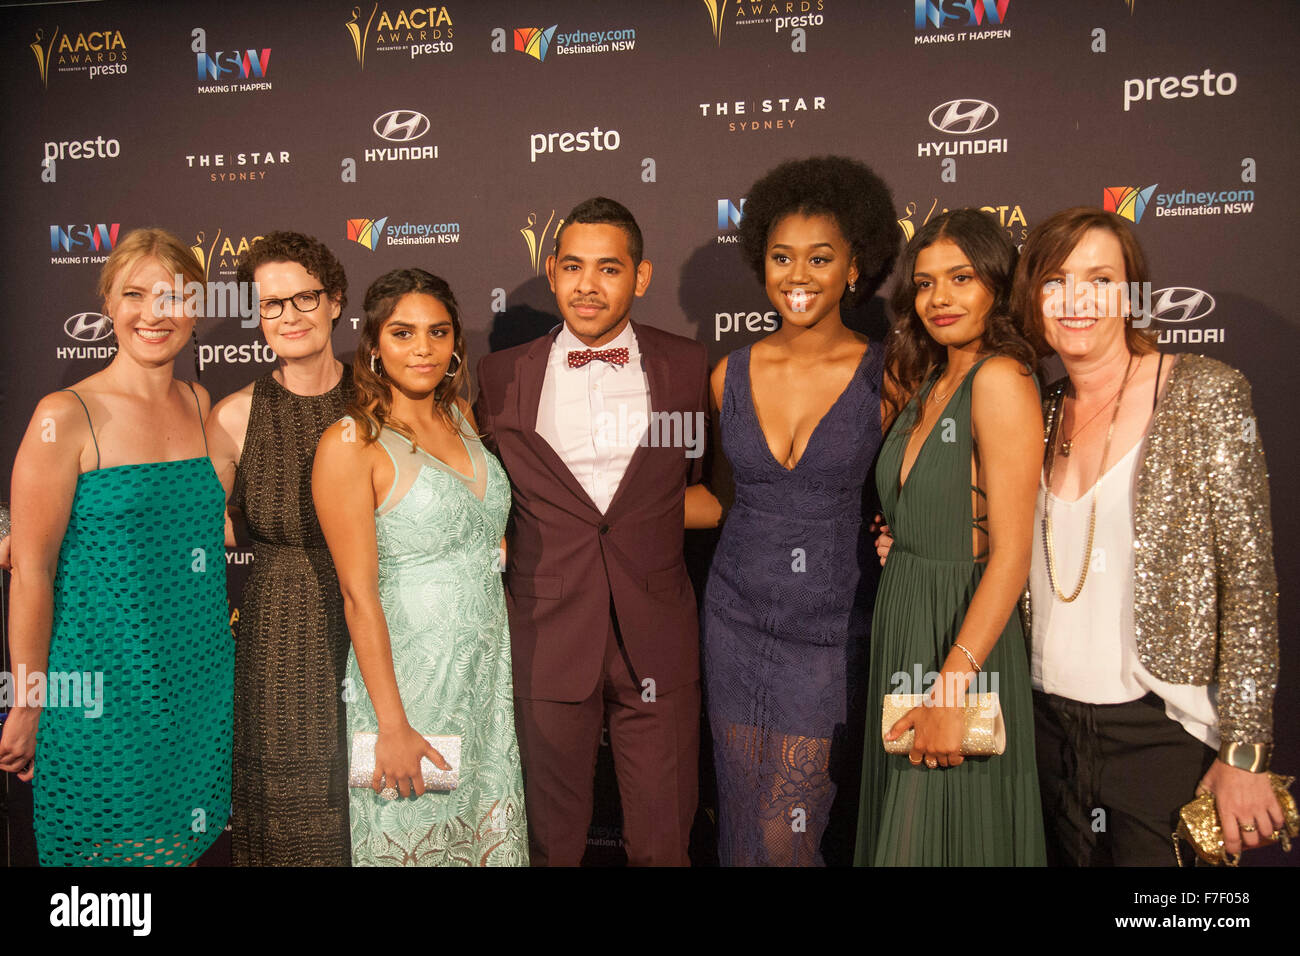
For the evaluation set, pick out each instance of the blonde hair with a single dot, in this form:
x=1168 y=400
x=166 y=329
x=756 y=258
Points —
x=140 y=244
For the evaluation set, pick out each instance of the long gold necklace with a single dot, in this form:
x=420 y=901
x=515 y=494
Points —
x=1048 y=538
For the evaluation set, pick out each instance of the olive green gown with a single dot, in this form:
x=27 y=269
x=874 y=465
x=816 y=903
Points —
x=985 y=812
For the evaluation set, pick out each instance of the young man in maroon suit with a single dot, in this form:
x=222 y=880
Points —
x=600 y=425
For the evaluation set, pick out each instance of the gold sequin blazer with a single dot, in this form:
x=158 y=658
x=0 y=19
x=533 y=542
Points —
x=1205 y=590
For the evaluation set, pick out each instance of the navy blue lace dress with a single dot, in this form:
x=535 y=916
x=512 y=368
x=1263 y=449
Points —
x=786 y=617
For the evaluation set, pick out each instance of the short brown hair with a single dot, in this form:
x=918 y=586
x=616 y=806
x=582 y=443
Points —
x=140 y=244
x=307 y=251
x=1048 y=245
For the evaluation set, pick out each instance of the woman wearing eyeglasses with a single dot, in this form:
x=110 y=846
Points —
x=290 y=797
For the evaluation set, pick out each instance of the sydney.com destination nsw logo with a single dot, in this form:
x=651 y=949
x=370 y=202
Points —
x=1133 y=202
x=540 y=43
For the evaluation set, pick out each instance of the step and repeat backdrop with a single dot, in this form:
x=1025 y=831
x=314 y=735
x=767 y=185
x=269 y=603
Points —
x=456 y=136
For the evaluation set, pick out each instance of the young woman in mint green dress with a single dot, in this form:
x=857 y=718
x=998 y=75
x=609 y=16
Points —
x=956 y=475
x=119 y=592
x=414 y=510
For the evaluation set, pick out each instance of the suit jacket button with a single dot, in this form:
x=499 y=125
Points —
x=604 y=529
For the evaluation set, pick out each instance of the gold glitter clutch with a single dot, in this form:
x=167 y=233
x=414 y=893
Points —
x=361 y=768
x=984 y=733
x=1198 y=824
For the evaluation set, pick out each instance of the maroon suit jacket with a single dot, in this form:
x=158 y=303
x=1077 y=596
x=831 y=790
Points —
x=566 y=560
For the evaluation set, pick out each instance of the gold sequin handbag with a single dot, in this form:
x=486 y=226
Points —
x=1198 y=824
x=984 y=732
x=361 y=768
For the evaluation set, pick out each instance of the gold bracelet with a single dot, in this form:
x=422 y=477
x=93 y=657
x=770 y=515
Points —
x=1252 y=757
x=969 y=656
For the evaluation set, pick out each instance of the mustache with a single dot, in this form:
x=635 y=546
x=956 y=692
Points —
x=579 y=302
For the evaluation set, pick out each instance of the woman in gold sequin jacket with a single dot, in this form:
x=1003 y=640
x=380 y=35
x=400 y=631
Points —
x=1152 y=589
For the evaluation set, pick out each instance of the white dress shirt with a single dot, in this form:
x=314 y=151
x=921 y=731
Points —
x=595 y=416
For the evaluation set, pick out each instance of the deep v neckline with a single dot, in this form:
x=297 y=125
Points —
x=753 y=408
x=920 y=399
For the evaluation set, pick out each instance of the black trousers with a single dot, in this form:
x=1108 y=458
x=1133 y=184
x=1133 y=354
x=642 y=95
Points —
x=1112 y=778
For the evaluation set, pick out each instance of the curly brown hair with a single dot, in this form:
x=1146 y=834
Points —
x=372 y=402
x=310 y=253
x=911 y=354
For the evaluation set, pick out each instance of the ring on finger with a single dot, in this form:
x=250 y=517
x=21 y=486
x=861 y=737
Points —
x=931 y=762
x=1246 y=827
x=388 y=793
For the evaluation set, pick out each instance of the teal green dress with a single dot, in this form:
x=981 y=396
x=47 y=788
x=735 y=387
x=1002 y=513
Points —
x=438 y=533
x=985 y=812
x=133 y=749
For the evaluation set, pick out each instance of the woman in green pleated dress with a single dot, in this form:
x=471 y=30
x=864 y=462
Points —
x=956 y=476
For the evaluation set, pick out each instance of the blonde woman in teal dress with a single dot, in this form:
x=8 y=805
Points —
x=119 y=579
x=956 y=476
x=414 y=509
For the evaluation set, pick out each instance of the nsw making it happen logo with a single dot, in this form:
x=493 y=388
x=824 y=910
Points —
x=229 y=71
x=82 y=243
x=959 y=20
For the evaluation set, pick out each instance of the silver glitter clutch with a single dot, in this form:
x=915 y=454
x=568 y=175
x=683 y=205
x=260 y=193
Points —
x=361 y=768
x=984 y=733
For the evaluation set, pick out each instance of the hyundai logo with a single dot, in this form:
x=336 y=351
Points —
x=88 y=326
x=401 y=126
x=960 y=117
x=1181 y=304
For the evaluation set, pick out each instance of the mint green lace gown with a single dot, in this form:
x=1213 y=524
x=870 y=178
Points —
x=438 y=532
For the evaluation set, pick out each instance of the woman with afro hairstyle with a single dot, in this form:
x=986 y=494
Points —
x=786 y=609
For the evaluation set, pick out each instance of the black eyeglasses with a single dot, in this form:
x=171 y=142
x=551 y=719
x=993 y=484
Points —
x=302 y=301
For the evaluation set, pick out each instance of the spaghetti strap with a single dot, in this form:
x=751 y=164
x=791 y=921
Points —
x=88 y=422
x=1155 y=399
x=199 y=408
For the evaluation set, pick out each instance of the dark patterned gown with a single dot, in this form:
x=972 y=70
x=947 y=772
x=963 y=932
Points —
x=785 y=618
x=291 y=645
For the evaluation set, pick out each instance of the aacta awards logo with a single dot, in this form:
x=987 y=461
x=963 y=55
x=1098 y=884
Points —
x=960 y=20
x=413 y=33
x=221 y=256
x=229 y=71
x=96 y=53
x=82 y=244
x=540 y=240
x=780 y=15
x=1009 y=215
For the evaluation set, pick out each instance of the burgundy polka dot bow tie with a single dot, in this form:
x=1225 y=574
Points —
x=580 y=357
